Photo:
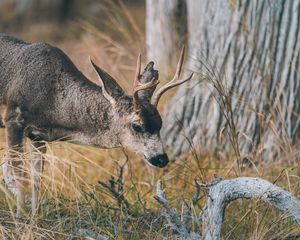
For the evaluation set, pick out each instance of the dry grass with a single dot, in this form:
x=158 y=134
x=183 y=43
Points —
x=73 y=200
x=74 y=204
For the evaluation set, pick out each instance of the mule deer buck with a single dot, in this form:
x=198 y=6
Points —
x=46 y=98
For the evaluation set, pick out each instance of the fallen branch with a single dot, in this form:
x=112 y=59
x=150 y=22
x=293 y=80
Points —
x=220 y=194
x=226 y=191
x=173 y=217
x=116 y=187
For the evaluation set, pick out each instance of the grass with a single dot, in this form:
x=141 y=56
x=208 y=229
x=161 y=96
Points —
x=73 y=202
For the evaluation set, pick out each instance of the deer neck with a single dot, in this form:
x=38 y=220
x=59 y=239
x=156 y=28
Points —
x=97 y=122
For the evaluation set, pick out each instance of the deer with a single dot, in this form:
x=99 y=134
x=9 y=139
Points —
x=46 y=98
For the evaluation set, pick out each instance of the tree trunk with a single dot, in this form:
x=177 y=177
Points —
x=253 y=48
x=166 y=28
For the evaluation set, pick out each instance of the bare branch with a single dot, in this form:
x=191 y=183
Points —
x=116 y=187
x=221 y=193
x=226 y=191
x=173 y=218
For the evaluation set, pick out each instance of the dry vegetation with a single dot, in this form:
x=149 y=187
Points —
x=74 y=204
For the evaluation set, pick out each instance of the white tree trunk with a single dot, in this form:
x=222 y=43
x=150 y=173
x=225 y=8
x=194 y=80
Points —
x=255 y=47
x=165 y=32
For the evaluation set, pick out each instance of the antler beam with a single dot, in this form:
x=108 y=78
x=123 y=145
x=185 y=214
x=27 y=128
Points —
x=174 y=82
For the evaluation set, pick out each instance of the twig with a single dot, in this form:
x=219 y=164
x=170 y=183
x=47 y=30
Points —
x=173 y=218
x=116 y=187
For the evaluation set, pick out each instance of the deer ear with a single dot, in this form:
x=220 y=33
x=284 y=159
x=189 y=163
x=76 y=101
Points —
x=111 y=89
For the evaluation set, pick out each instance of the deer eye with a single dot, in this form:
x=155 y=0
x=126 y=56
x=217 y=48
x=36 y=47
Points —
x=136 y=127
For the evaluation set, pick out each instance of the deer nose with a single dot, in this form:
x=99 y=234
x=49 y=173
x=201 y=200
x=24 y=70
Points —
x=160 y=160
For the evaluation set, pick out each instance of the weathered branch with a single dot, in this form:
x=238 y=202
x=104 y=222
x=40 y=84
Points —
x=226 y=191
x=116 y=187
x=221 y=193
x=173 y=217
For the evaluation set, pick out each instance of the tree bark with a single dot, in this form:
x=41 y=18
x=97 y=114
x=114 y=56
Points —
x=166 y=28
x=253 y=47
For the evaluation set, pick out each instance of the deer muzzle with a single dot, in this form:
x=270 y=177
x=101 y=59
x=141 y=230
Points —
x=160 y=160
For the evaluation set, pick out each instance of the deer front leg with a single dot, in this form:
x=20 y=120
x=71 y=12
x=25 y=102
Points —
x=13 y=171
x=37 y=164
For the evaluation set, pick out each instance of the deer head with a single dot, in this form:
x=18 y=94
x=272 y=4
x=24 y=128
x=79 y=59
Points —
x=137 y=122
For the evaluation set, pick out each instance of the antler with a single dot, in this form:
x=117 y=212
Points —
x=138 y=86
x=174 y=82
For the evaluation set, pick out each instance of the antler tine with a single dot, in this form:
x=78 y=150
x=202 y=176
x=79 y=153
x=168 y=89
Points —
x=180 y=62
x=138 y=86
x=137 y=71
x=174 y=82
